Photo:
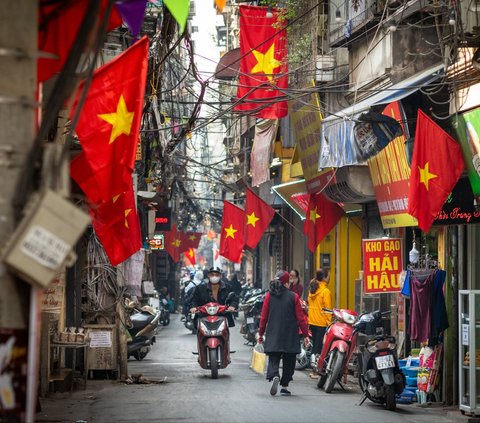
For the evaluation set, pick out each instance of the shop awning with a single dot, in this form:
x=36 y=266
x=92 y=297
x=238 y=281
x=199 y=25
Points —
x=345 y=141
x=295 y=195
x=229 y=65
x=388 y=95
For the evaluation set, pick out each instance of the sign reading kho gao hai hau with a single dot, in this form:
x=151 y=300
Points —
x=382 y=265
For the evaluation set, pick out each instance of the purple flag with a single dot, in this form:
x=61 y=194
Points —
x=133 y=13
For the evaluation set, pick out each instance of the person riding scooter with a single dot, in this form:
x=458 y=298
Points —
x=215 y=291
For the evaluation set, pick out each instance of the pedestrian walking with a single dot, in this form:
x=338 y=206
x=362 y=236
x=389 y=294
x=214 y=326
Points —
x=319 y=296
x=295 y=284
x=281 y=317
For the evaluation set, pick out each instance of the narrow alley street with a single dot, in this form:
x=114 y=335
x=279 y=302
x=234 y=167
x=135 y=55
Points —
x=238 y=395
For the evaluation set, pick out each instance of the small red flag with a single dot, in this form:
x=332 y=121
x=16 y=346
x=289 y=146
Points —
x=258 y=215
x=190 y=240
x=321 y=217
x=59 y=23
x=189 y=256
x=232 y=237
x=173 y=243
x=437 y=165
x=109 y=123
x=263 y=65
x=117 y=227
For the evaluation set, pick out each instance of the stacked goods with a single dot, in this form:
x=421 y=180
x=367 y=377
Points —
x=466 y=360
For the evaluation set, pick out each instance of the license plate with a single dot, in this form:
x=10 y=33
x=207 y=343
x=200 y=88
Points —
x=250 y=320
x=385 y=362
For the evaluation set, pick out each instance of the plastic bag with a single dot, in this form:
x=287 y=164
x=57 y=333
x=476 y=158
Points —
x=258 y=360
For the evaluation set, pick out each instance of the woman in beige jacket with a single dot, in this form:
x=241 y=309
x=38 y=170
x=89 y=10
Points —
x=319 y=296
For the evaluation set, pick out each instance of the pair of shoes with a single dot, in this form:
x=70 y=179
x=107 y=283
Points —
x=313 y=376
x=274 y=387
x=182 y=319
x=285 y=392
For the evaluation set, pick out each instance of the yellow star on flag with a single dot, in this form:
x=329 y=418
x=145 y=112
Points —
x=314 y=215
x=230 y=232
x=425 y=175
x=176 y=242
x=266 y=63
x=127 y=212
x=252 y=219
x=192 y=237
x=121 y=120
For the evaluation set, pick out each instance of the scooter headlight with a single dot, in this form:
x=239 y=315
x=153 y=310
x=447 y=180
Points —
x=212 y=310
x=348 y=318
x=213 y=330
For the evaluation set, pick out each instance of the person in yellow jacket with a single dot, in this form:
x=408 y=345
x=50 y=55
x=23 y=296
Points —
x=319 y=296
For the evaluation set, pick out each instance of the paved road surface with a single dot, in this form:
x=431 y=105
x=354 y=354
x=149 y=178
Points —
x=238 y=395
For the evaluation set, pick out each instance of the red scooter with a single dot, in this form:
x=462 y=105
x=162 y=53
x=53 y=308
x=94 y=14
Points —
x=213 y=337
x=339 y=344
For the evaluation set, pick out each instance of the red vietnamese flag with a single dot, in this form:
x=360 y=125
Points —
x=263 y=65
x=189 y=256
x=437 y=164
x=258 y=215
x=231 y=236
x=59 y=23
x=117 y=227
x=173 y=243
x=89 y=180
x=321 y=217
x=190 y=240
x=109 y=123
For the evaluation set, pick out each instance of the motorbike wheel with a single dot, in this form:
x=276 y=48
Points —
x=213 y=364
x=166 y=320
x=139 y=355
x=390 y=400
x=334 y=374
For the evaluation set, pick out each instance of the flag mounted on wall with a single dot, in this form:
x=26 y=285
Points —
x=232 y=238
x=321 y=217
x=258 y=216
x=263 y=65
x=437 y=165
x=109 y=123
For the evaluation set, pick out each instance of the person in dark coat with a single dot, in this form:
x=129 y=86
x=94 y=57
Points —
x=215 y=291
x=281 y=317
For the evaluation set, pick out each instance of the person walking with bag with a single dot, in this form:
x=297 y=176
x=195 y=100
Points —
x=281 y=317
x=319 y=296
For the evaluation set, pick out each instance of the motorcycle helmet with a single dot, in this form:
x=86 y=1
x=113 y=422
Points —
x=214 y=275
x=215 y=270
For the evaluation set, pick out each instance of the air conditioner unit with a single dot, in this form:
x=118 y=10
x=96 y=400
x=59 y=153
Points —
x=325 y=68
x=353 y=184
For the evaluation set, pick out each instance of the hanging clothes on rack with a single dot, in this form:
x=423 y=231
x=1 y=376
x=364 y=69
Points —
x=421 y=301
x=428 y=313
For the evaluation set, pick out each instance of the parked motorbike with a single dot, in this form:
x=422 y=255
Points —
x=164 y=313
x=380 y=377
x=339 y=343
x=213 y=337
x=305 y=354
x=252 y=310
x=143 y=325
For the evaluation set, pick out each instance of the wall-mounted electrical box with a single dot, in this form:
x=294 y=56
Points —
x=43 y=241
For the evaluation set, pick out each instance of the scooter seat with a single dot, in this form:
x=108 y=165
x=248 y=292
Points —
x=232 y=352
x=194 y=353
